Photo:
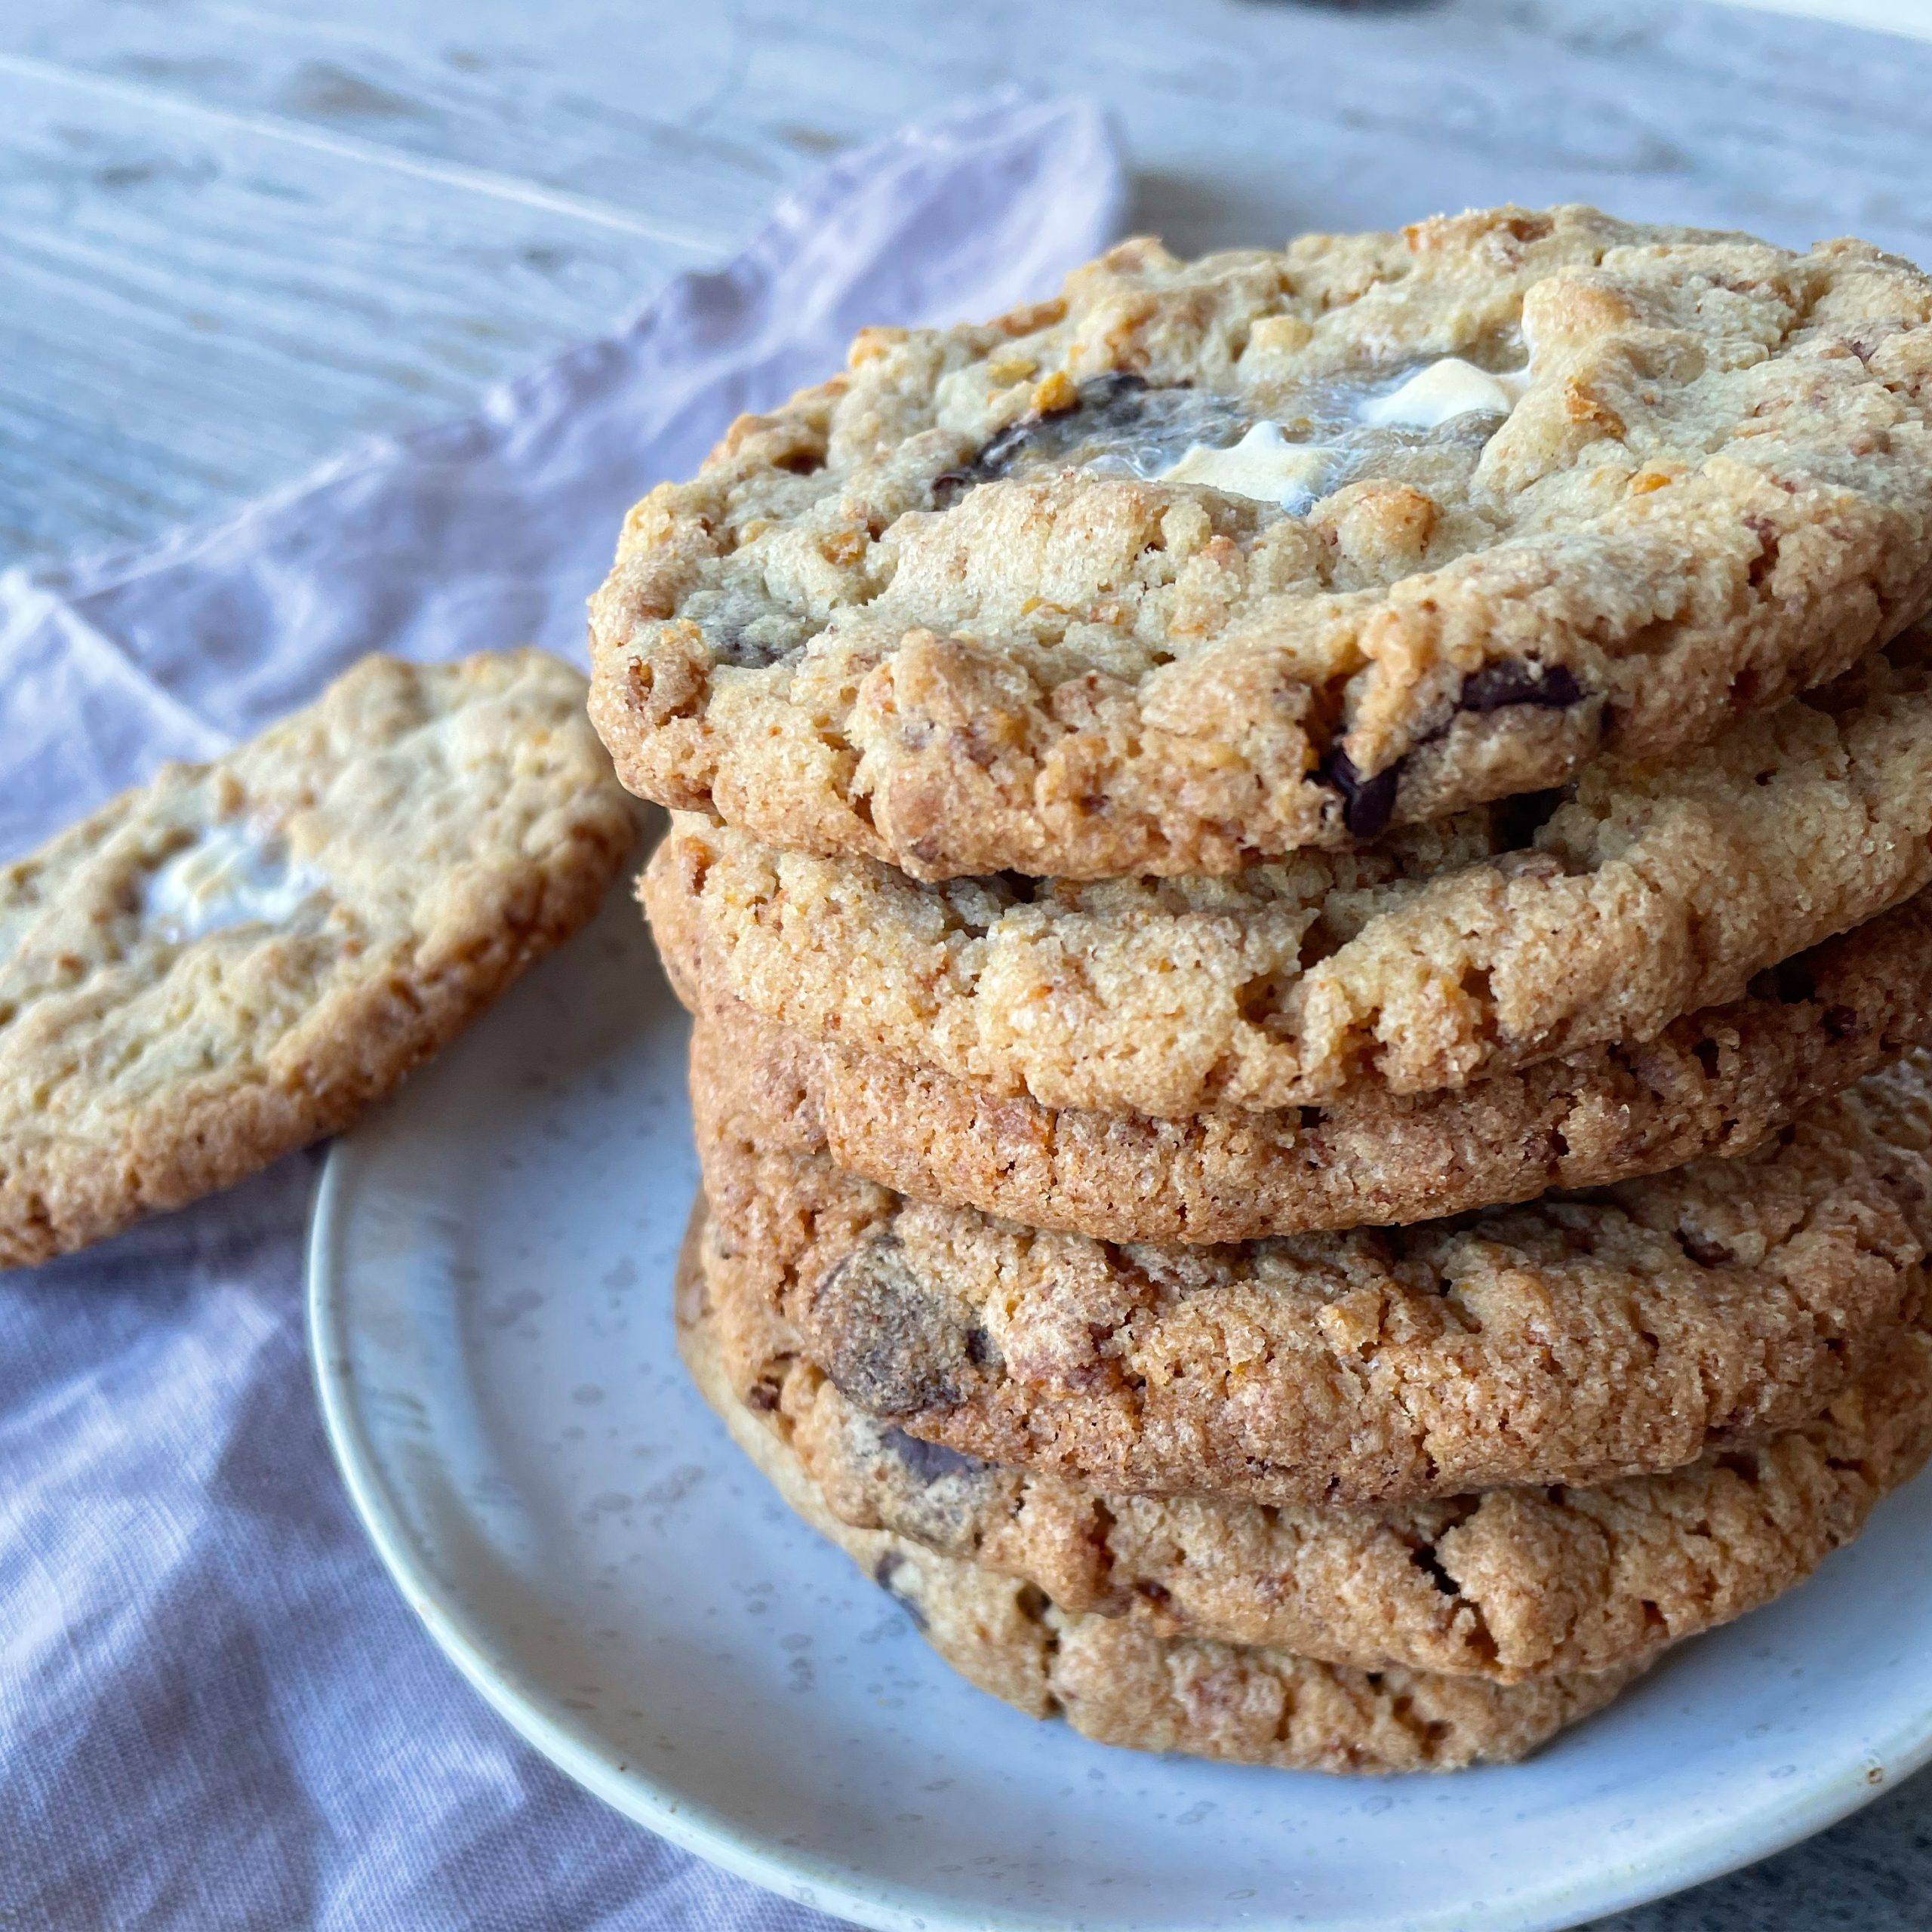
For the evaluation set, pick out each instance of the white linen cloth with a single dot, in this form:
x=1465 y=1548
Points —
x=215 y=1710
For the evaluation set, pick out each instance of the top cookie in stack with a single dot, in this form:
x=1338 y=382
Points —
x=1203 y=563
x=1263 y=751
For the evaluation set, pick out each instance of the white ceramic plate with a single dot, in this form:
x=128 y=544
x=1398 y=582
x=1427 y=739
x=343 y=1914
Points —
x=490 y=1276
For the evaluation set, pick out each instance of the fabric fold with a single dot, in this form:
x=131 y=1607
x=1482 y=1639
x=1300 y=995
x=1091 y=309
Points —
x=217 y=1710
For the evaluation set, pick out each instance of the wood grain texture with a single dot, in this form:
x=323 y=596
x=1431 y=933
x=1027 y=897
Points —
x=196 y=309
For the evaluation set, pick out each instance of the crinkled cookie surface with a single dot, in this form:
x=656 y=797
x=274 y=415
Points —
x=1715 y=1082
x=1492 y=940
x=235 y=959
x=1208 y=561
x=1510 y=1584
x=1578 y=1340
x=1123 y=1682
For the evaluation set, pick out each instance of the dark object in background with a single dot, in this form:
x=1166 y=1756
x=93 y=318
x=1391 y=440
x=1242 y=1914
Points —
x=1351 y=6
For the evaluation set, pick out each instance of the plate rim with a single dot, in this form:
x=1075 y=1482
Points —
x=1707 y=1851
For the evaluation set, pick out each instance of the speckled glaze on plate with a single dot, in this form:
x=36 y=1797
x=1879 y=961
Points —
x=490 y=1273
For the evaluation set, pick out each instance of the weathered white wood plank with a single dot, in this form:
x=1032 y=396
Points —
x=384 y=202
x=193 y=312
x=1254 y=113
x=609 y=103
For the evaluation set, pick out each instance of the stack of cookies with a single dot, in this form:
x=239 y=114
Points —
x=1306 y=880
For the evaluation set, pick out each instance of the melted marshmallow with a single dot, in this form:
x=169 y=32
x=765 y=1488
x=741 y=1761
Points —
x=1264 y=465
x=1444 y=391
x=232 y=876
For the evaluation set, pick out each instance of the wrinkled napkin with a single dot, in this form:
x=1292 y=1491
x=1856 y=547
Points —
x=215 y=1709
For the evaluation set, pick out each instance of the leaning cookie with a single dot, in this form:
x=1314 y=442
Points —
x=1712 y=1084
x=1449 y=951
x=238 y=957
x=1577 y=1339
x=1510 y=1584
x=1121 y=1682
x=1208 y=561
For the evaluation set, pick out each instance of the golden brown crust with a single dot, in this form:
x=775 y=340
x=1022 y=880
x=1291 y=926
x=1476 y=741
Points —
x=1123 y=1682
x=904 y=616
x=1575 y=1340
x=457 y=821
x=1511 y=1584
x=1438 y=957
x=1712 y=1084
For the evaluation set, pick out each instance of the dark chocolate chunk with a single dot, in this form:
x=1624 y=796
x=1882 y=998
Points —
x=890 y=1344
x=1118 y=424
x=930 y=1461
x=1367 y=804
x=746 y=654
x=1496 y=687
x=1701 y=1249
x=1097 y=403
x=951 y=485
x=888 y=1567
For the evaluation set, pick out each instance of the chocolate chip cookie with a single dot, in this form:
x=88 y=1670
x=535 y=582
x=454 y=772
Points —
x=1578 y=1339
x=1510 y=1584
x=1486 y=942
x=238 y=957
x=1121 y=1682
x=1205 y=562
x=1714 y=1083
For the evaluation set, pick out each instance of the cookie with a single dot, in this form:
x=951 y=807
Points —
x=1452 y=952
x=1713 y=1084
x=1120 y=1681
x=1209 y=561
x=1510 y=1584
x=1575 y=1340
x=238 y=957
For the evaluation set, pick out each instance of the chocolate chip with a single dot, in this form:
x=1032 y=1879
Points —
x=1101 y=392
x=930 y=1462
x=1100 y=397
x=888 y=1566
x=890 y=1343
x=1706 y=1253
x=1116 y=408
x=1367 y=804
x=1496 y=687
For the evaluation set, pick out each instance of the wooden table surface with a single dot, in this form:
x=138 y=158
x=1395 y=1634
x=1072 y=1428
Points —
x=242 y=234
